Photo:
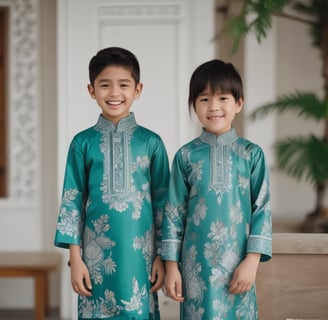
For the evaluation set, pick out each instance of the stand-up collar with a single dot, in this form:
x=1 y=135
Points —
x=124 y=124
x=223 y=139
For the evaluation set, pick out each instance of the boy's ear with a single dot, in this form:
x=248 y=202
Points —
x=91 y=91
x=139 y=87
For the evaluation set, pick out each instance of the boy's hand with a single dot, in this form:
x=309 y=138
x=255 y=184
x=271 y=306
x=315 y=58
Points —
x=80 y=277
x=173 y=281
x=157 y=274
x=244 y=276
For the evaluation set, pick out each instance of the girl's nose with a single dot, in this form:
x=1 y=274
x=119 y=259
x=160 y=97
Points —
x=213 y=106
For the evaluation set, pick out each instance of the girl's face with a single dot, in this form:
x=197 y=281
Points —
x=216 y=111
x=115 y=90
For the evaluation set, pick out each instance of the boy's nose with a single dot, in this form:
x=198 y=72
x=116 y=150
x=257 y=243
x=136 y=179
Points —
x=114 y=91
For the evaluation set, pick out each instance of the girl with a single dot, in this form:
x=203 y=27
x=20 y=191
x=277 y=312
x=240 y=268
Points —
x=217 y=222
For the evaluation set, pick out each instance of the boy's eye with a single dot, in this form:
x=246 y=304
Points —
x=203 y=99
x=124 y=85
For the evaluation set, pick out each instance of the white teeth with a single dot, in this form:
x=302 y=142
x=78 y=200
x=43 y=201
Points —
x=215 y=117
x=115 y=103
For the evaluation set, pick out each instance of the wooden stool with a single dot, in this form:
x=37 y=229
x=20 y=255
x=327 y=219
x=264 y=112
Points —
x=37 y=265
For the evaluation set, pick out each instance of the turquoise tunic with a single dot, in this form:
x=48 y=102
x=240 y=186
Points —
x=112 y=206
x=218 y=210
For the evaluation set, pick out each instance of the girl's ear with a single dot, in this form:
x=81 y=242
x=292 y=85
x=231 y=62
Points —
x=239 y=105
x=91 y=91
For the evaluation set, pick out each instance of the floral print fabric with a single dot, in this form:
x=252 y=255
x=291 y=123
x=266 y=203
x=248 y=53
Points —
x=218 y=210
x=112 y=206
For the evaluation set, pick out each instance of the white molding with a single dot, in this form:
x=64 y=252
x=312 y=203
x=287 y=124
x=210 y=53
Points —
x=159 y=12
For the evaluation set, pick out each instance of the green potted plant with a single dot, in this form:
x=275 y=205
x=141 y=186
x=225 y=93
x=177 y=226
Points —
x=301 y=157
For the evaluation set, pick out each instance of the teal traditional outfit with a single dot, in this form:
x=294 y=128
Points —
x=112 y=206
x=218 y=210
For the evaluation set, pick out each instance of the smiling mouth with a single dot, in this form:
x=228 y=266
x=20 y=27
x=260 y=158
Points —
x=114 y=103
x=215 y=117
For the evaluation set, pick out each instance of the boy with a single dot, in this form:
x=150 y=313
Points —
x=113 y=196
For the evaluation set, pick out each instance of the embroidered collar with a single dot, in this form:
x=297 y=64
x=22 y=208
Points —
x=223 y=139
x=125 y=124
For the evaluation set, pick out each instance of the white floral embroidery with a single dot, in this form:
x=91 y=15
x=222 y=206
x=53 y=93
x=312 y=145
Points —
x=219 y=232
x=212 y=252
x=199 y=212
x=99 y=308
x=230 y=258
x=243 y=183
x=69 y=220
x=143 y=162
x=218 y=278
x=193 y=282
x=196 y=170
x=69 y=196
x=221 y=308
x=146 y=245
x=95 y=244
x=136 y=302
x=193 y=313
x=236 y=214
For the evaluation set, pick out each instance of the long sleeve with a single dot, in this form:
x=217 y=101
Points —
x=72 y=209
x=175 y=212
x=260 y=238
x=160 y=174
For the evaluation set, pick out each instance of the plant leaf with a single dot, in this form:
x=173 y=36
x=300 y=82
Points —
x=305 y=104
x=303 y=158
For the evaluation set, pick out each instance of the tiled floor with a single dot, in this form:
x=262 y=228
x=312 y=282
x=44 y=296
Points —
x=25 y=315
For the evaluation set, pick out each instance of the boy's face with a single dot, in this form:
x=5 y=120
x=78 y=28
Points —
x=115 y=90
x=216 y=111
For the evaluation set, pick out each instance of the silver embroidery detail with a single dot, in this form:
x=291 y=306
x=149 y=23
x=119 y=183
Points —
x=221 y=167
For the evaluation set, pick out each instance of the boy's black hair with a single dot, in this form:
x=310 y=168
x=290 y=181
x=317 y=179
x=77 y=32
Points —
x=220 y=76
x=114 y=56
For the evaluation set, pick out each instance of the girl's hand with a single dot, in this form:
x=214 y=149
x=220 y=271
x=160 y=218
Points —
x=80 y=277
x=157 y=274
x=173 y=281
x=244 y=276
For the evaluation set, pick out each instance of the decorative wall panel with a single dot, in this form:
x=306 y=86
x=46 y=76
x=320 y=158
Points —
x=23 y=102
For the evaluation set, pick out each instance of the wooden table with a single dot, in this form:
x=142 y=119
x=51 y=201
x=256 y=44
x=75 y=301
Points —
x=36 y=264
x=294 y=283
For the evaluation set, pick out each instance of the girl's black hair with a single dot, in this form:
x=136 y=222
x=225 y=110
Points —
x=114 y=56
x=219 y=76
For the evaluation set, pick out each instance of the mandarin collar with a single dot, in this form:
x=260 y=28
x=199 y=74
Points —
x=223 y=139
x=126 y=124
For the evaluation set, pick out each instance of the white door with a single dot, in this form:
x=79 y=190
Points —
x=169 y=38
